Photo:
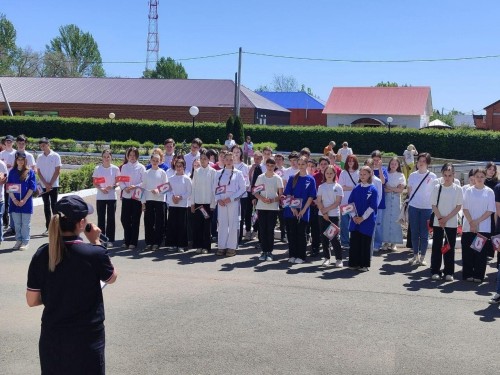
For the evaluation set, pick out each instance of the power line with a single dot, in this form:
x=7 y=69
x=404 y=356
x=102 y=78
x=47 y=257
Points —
x=373 y=61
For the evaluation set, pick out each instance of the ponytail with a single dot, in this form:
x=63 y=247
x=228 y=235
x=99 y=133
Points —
x=295 y=179
x=56 y=243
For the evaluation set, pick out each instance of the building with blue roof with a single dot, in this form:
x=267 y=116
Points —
x=304 y=108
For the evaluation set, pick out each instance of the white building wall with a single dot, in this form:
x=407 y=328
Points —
x=415 y=122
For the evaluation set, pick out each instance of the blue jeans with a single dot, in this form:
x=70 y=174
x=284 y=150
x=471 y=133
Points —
x=418 y=218
x=377 y=235
x=344 y=230
x=22 y=226
x=498 y=281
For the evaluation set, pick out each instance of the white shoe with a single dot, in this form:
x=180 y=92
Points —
x=269 y=257
x=24 y=247
x=414 y=261
x=495 y=299
x=263 y=257
x=198 y=251
x=291 y=260
x=46 y=233
x=298 y=261
x=339 y=263
x=204 y=251
x=326 y=263
x=17 y=245
x=422 y=261
x=435 y=277
x=449 y=278
x=363 y=269
x=394 y=247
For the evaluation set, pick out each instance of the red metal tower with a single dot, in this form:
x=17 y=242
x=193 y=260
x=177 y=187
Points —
x=153 y=42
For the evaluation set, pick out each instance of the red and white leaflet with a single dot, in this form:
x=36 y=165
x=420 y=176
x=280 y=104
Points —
x=204 y=212
x=348 y=209
x=296 y=203
x=279 y=172
x=123 y=179
x=137 y=194
x=164 y=188
x=13 y=188
x=99 y=180
x=285 y=202
x=495 y=240
x=478 y=242
x=220 y=190
x=258 y=188
x=331 y=231
x=255 y=217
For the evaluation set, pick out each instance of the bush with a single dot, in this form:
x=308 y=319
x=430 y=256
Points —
x=76 y=180
x=468 y=144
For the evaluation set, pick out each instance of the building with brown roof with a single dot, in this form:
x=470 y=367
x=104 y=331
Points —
x=490 y=121
x=137 y=98
x=409 y=107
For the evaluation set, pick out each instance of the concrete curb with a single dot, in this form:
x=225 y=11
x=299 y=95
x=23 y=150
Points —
x=82 y=193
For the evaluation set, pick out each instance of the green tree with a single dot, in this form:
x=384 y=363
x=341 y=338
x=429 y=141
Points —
x=8 y=47
x=239 y=132
x=230 y=126
x=73 y=53
x=447 y=119
x=27 y=63
x=390 y=84
x=166 y=68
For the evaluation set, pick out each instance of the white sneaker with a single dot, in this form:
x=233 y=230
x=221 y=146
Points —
x=363 y=269
x=291 y=260
x=298 y=261
x=17 y=245
x=263 y=257
x=326 y=263
x=24 y=247
x=414 y=261
x=495 y=299
x=394 y=247
x=435 y=277
x=449 y=278
x=198 y=251
x=204 y=251
x=422 y=261
x=339 y=263
x=269 y=257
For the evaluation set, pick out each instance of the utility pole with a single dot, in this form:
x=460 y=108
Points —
x=238 y=84
x=6 y=101
x=153 y=44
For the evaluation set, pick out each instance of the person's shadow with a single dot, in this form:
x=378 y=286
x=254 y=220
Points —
x=489 y=314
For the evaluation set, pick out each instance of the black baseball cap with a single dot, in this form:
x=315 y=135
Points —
x=73 y=207
x=9 y=138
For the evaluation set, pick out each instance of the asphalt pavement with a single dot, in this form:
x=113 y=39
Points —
x=171 y=313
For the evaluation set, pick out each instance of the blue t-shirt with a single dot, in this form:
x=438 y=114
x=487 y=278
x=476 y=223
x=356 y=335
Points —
x=364 y=197
x=163 y=166
x=386 y=177
x=28 y=184
x=305 y=189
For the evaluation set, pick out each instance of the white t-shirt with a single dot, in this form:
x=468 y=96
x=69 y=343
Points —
x=329 y=194
x=47 y=165
x=409 y=156
x=440 y=180
x=110 y=175
x=4 y=172
x=422 y=198
x=181 y=185
x=478 y=201
x=8 y=157
x=345 y=180
x=229 y=143
x=152 y=179
x=395 y=179
x=189 y=158
x=344 y=152
x=271 y=186
x=380 y=188
x=450 y=198
x=290 y=172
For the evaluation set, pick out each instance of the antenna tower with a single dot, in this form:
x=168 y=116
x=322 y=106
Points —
x=153 y=42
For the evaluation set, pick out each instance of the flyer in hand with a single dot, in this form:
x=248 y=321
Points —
x=331 y=231
x=348 y=209
x=478 y=242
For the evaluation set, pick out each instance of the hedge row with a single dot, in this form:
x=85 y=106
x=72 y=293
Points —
x=467 y=144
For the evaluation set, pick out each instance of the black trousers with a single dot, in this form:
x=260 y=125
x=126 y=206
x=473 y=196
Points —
x=76 y=353
x=315 y=232
x=359 y=249
x=282 y=222
x=473 y=262
x=131 y=220
x=202 y=228
x=296 y=233
x=448 y=257
x=106 y=210
x=5 y=216
x=267 y=222
x=243 y=212
x=176 y=227
x=213 y=222
x=154 y=222
x=49 y=204
x=165 y=207
x=335 y=241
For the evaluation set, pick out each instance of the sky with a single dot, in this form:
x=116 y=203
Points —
x=365 y=30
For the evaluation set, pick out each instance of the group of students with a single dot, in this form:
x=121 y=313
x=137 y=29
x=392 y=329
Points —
x=19 y=185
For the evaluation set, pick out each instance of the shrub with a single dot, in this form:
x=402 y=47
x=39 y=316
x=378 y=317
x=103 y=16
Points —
x=76 y=180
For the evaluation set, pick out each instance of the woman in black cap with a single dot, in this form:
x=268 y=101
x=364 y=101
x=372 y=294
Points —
x=65 y=276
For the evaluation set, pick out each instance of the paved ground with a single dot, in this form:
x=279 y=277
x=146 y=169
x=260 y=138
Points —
x=199 y=314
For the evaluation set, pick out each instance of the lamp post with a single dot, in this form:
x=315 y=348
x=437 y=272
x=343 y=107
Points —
x=193 y=111
x=111 y=117
x=389 y=121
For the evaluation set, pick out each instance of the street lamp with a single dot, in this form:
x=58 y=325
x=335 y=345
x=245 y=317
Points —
x=193 y=111
x=389 y=121
x=111 y=116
